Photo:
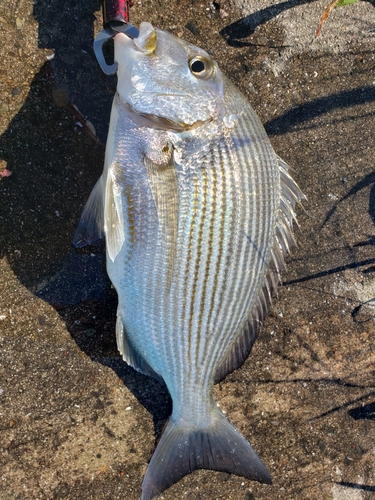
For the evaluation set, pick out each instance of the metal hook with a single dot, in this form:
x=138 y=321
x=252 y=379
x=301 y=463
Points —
x=115 y=20
x=104 y=35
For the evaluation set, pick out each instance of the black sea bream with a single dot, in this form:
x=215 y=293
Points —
x=197 y=213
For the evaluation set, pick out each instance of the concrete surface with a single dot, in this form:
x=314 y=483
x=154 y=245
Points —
x=75 y=422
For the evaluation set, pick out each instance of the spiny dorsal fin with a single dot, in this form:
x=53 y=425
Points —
x=283 y=242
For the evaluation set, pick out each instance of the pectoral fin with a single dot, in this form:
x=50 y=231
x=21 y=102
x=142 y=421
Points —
x=113 y=218
x=163 y=184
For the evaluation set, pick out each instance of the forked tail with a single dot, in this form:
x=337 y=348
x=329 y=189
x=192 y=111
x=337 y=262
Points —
x=182 y=450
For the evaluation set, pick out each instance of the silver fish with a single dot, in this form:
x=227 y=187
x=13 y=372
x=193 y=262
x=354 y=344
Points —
x=197 y=211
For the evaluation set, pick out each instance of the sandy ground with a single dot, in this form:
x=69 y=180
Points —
x=75 y=422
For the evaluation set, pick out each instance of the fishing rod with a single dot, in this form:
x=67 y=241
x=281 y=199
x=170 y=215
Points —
x=115 y=20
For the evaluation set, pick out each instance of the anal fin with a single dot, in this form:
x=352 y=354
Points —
x=129 y=354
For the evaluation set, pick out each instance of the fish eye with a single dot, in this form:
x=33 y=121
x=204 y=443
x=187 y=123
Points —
x=201 y=67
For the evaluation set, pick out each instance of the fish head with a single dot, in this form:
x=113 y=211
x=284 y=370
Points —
x=166 y=77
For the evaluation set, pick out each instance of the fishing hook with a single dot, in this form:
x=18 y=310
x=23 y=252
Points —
x=115 y=20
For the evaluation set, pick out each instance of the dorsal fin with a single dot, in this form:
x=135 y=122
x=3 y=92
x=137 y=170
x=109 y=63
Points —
x=283 y=242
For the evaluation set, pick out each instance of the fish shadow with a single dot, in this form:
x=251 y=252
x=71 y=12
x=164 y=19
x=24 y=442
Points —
x=53 y=153
x=151 y=394
x=55 y=159
x=92 y=325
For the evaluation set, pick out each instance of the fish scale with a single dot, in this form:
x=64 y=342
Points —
x=197 y=211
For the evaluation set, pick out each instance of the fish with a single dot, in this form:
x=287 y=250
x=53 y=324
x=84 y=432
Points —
x=197 y=211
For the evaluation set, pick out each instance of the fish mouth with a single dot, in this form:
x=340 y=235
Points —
x=159 y=122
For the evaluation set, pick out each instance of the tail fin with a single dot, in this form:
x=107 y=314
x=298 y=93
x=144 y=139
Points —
x=218 y=447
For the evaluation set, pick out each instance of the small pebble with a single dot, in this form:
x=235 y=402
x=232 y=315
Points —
x=60 y=96
x=20 y=23
x=191 y=26
x=16 y=91
x=5 y=173
x=249 y=496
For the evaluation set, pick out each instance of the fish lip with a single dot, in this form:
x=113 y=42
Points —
x=159 y=122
